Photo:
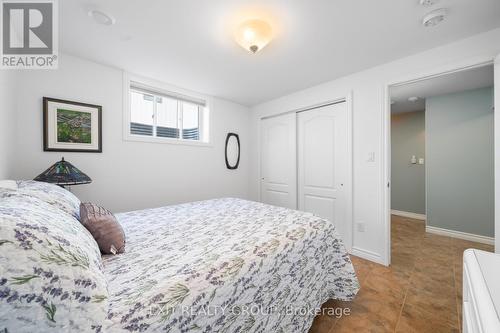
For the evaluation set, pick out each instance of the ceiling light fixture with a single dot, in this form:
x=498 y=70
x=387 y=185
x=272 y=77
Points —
x=413 y=99
x=101 y=17
x=435 y=17
x=253 y=35
x=428 y=3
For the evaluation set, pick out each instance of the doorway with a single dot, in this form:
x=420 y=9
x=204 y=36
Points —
x=441 y=161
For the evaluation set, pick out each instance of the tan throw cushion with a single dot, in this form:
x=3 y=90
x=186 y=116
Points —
x=103 y=225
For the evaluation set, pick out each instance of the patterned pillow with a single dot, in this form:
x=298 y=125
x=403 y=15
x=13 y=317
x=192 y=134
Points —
x=52 y=194
x=51 y=277
x=103 y=225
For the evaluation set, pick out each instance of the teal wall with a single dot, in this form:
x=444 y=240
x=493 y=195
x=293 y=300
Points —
x=460 y=181
x=408 y=180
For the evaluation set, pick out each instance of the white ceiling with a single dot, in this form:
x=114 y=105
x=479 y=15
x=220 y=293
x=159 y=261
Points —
x=446 y=84
x=189 y=43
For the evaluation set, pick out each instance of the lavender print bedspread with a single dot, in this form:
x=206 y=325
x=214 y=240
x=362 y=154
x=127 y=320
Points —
x=225 y=265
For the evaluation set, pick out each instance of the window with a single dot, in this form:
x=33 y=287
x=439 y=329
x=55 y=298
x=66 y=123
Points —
x=166 y=116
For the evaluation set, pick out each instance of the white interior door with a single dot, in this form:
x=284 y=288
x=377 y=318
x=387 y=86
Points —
x=323 y=162
x=278 y=161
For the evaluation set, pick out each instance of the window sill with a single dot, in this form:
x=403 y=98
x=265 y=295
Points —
x=140 y=138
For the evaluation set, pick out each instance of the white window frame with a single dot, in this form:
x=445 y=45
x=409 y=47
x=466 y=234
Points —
x=130 y=79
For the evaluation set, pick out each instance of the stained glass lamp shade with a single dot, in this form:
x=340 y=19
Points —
x=63 y=173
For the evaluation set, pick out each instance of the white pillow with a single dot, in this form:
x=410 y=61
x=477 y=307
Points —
x=52 y=194
x=8 y=184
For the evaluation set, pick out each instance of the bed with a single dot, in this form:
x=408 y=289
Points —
x=224 y=265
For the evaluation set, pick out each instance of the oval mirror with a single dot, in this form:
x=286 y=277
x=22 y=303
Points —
x=232 y=151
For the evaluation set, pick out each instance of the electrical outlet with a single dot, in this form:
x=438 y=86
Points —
x=361 y=227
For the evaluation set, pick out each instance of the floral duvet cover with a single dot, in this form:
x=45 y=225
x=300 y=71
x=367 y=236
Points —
x=225 y=265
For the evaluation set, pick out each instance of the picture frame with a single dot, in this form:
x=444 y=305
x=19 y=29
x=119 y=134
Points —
x=70 y=126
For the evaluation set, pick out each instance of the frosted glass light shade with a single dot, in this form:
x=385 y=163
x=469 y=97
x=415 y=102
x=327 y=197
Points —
x=253 y=35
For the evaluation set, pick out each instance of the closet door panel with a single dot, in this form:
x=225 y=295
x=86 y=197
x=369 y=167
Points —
x=322 y=162
x=278 y=161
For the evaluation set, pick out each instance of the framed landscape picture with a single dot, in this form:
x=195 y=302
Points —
x=71 y=126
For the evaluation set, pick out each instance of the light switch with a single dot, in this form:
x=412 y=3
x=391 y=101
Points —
x=371 y=157
x=421 y=161
x=413 y=159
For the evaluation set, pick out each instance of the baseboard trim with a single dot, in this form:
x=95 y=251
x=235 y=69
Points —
x=368 y=255
x=409 y=214
x=460 y=235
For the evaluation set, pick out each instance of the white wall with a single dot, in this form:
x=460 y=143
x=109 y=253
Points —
x=7 y=117
x=408 y=180
x=127 y=175
x=460 y=180
x=368 y=122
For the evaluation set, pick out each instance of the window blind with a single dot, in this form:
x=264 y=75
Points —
x=154 y=91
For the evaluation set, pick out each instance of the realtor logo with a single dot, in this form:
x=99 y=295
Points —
x=29 y=34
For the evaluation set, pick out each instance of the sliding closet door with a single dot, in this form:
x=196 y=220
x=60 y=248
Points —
x=278 y=161
x=323 y=162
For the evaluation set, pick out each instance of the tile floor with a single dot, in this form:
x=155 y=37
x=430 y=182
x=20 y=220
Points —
x=420 y=292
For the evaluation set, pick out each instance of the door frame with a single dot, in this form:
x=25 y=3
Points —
x=386 y=139
x=348 y=99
